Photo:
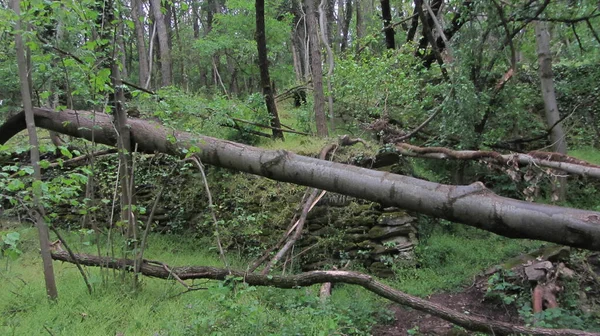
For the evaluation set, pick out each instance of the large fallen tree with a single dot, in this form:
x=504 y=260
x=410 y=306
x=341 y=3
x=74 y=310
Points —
x=160 y=270
x=472 y=204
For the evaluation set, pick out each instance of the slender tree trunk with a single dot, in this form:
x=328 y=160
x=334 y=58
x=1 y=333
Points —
x=163 y=41
x=329 y=8
x=182 y=59
x=360 y=25
x=121 y=50
x=196 y=18
x=386 y=13
x=316 y=68
x=42 y=227
x=263 y=63
x=557 y=135
x=124 y=146
x=330 y=62
x=299 y=41
x=346 y=25
x=137 y=15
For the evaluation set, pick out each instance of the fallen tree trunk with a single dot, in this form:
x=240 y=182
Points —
x=543 y=159
x=473 y=204
x=158 y=270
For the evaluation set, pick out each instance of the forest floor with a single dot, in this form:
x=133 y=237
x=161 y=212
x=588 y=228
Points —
x=469 y=301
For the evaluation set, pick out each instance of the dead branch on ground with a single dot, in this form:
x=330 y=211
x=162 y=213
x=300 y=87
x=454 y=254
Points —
x=469 y=322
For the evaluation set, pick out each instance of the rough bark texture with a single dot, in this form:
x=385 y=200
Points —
x=263 y=63
x=29 y=120
x=159 y=270
x=163 y=41
x=386 y=14
x=316 y=68
x=557 y=134
x=473 y=204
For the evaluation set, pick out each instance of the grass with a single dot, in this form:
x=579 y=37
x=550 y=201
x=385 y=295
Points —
x=453 y=255
x=159 y=308
x=589 y=154
x=448 y=261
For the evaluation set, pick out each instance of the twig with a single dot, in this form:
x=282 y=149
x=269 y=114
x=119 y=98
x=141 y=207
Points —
x=72 y=255
x=311 y=201
x=48 y=330
x=589 y=24
x=267 y=126
x=148 y=224
x=196 y=160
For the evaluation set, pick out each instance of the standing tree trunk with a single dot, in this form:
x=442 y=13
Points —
x=122 y=50
x=263 y=63
x=346 y=25
x=299 y=43
x=124 y=146
x=557 y=134
x=137 y=15
x=330 y=63
x=42 y=227
x=163 y=42
x=360 y=25
x=386 y=13
x=316 y=68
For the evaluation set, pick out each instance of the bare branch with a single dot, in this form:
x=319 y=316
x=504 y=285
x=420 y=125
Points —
x=368 y=282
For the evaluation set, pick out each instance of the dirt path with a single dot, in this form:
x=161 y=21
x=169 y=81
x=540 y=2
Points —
x=470 y=301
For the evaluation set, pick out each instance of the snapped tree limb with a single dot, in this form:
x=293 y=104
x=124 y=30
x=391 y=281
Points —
x=472 y=205
x=159 y=270
x=544 y=159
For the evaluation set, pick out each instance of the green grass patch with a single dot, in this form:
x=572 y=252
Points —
x=453 y=255
x=589 y=154
x=158 y=307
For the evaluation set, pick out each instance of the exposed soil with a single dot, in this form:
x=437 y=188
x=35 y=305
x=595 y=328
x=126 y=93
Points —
x=470 y=301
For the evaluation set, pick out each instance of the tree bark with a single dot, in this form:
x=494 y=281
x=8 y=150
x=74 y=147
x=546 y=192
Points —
x=360 y=25
x=160 y=270
x=472 y=205
x=557 y=134
x=163 y=42
x=565 y=163
x=316 y=68
x=386 y=14
x=124 y=146
x=29 y=121
x=263 y=63
x=330 y=63
x=346 y=25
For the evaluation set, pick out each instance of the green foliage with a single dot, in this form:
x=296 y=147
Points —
x=578 y=95
x=159 y=307
x=375 y=85
x=451 y=255
x=508 y=288
x=9 y=245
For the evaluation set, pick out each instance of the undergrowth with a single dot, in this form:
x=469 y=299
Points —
x=158 y=307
